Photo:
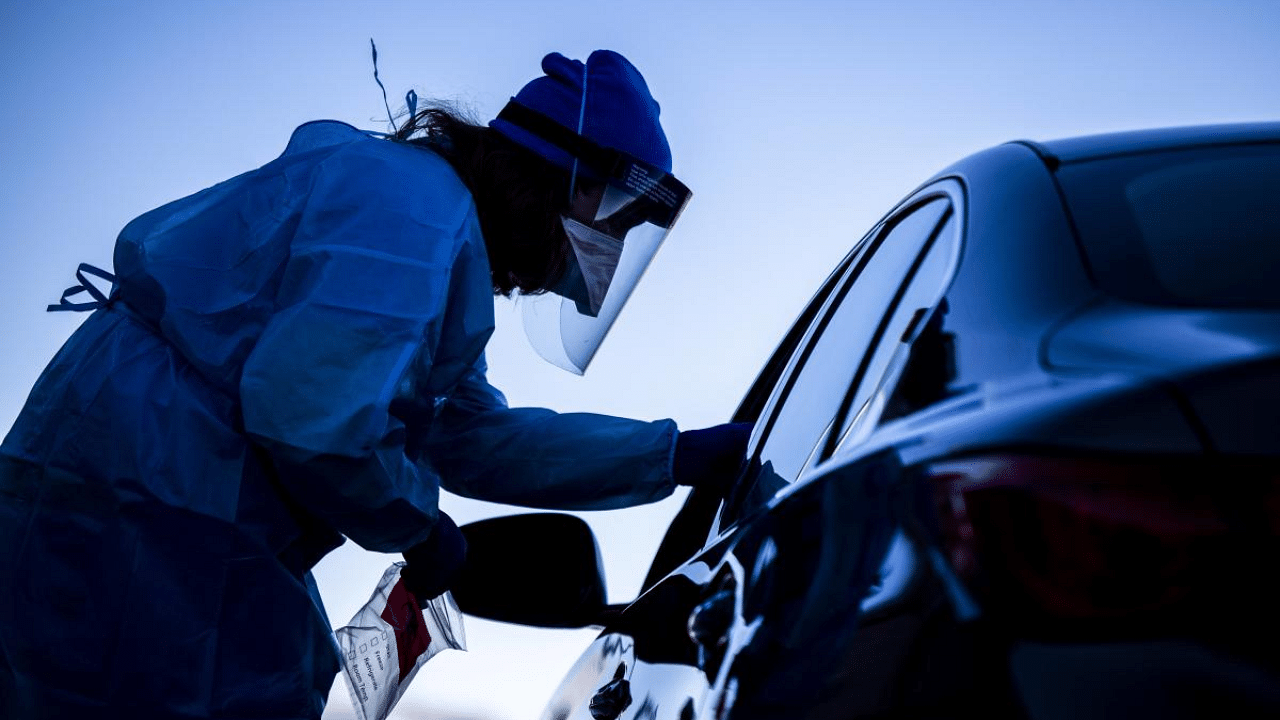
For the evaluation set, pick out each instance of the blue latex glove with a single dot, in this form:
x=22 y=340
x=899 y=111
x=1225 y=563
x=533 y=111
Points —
x=433 y=564
x=712 y=456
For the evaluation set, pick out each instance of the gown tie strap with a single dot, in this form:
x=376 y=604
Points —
x=100 y=300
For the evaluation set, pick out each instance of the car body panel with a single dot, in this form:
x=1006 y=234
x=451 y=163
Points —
x=1226 y=363
x=1016 y=238
x=1101 y=413
x=1164 y=342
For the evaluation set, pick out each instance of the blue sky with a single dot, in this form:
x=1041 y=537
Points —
x=797 y=124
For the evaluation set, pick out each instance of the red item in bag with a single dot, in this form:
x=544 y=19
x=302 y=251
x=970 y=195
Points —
x=412 y=638
x=390 y=639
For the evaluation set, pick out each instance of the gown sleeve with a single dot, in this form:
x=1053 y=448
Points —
x=539 y=458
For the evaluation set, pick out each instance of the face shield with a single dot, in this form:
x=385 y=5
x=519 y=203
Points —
x=620 y=211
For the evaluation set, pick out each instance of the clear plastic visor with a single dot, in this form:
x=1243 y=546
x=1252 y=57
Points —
x=615 y=228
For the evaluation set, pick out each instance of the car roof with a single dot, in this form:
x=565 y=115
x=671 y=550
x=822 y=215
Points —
x=1091 y=147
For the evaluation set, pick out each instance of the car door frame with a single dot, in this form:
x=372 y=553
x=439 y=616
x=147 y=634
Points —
x=824 y=305
x=696 y=525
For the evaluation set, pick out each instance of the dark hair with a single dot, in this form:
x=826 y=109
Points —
x=519 y=196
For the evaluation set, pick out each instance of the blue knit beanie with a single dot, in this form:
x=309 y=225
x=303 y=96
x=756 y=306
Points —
x=606 y=101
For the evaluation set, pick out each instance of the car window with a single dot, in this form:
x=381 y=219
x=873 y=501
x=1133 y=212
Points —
x=696 y=520
x=925 y=284
x=1195 y=227
x=760 y=395
x=807 y=399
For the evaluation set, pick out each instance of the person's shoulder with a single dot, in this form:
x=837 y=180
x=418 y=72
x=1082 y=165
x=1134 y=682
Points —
x=363 y=148
x=368 y=163
x=404 y=186
x=323 y=134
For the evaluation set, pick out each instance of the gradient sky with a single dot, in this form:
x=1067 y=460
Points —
x=797 y=124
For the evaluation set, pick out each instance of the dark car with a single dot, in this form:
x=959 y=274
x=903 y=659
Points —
x=1019 y=457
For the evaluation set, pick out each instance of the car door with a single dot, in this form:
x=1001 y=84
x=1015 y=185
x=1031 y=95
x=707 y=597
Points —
x=779 y=563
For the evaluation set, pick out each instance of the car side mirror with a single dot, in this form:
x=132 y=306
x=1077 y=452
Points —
x=540 y=569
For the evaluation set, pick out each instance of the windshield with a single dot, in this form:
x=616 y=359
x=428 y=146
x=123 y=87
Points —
x=1198 y=227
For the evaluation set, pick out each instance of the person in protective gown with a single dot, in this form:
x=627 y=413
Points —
x=295 y=356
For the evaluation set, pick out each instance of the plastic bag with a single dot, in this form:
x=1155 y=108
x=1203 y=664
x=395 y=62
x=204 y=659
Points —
x=389 y=639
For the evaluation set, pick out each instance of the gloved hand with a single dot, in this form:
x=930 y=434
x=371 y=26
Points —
x=433 y=564
x=710 y=457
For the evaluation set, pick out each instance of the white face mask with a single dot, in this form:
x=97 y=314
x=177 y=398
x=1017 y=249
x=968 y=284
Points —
x=597 y=255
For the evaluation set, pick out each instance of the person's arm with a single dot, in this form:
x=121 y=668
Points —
x=539 y=458
x=360 y=301
x=573 y=461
